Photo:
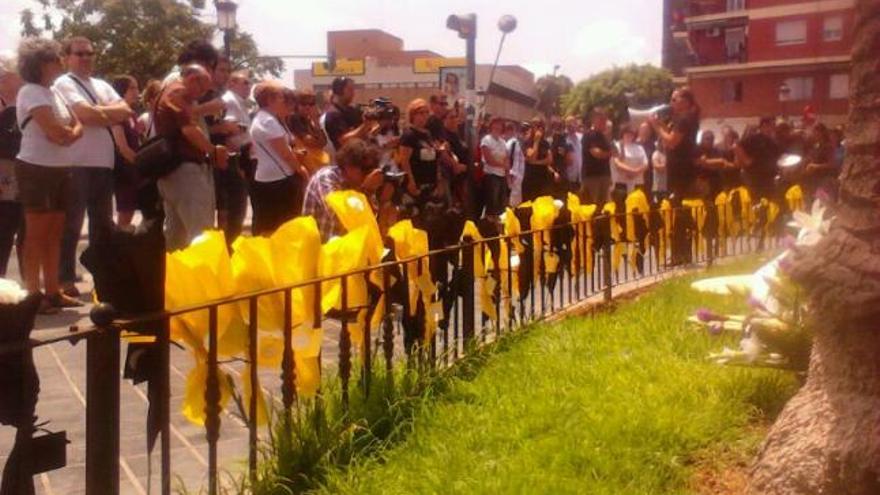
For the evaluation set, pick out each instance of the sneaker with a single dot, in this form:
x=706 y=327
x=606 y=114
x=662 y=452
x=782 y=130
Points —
x=70 y=290
x=62 y=300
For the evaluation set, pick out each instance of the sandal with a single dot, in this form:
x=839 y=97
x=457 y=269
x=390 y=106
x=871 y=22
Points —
x=47 y=308
x=61 y=300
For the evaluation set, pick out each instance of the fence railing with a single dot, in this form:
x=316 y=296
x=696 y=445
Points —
x=485 y=288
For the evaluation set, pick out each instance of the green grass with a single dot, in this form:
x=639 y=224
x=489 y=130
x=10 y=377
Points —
x=620 y=403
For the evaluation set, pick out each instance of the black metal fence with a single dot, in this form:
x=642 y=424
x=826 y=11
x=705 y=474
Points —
x=485 y=287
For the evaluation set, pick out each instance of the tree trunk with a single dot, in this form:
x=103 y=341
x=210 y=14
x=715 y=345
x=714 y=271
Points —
x=827 y=439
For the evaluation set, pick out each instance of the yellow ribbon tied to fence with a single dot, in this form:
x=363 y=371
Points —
x=582 y=240
x=487 y=283
x=664 y=236
x=636 y=206
x=772 y=213
x=721 y=209
x=353 y=210
x=698 y=213
x=616 y=232
x=794 y=197
x=740 y=221
x=342 y=255
x=197 y=274
x=544 y=212
x=411 y=242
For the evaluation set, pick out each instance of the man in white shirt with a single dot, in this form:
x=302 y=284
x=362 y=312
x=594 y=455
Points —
x=231 y=211
x=514 y=136
x=575 y=158
x=496 y=166
x=99 y=108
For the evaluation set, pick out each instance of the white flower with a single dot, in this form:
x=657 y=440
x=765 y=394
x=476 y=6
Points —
x=812 y=226
x=751 y=347
x=11 y=292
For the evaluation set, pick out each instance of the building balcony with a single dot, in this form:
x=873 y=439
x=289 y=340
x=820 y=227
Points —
x=705 y=14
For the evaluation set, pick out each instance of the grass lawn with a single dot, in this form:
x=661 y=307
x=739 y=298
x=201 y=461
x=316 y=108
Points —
x=620 y=403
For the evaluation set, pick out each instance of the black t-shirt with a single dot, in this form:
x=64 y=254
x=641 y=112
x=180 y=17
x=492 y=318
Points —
x=423 y=160
x=341 y=120
x=561 y=149
x=457 y=146
x=713 y=175
x=595 y=167
x=543 y=150
x=680 y=160
x=730 y=177
x=435 y=127
x=760 y=175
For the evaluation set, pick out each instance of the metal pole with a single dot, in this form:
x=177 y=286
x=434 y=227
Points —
x=471 y=88
x=227 y=43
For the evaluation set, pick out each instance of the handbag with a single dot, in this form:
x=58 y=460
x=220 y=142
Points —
x=157 y=156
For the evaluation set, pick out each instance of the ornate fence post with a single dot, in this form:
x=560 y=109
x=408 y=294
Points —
x=468 y=281
x=102 y=413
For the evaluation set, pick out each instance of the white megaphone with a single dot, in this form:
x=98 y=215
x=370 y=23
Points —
x=637 y=115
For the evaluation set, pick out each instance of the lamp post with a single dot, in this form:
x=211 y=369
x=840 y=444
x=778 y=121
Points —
x=226 y=22
x=506 y=24
x=555 y=70
x=784 y=93
x=466 y=27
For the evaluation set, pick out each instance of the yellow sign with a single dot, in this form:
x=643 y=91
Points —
x=432 y=65
x=344 y=67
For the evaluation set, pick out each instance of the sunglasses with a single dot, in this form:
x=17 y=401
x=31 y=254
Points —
x=83 y=54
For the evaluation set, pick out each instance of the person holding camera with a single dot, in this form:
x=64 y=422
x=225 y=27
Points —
x=356 y=167
x=280 y=178
x=344 y=121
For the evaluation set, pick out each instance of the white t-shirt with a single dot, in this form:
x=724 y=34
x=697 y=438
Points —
x=498 y=148
x=573 y=171
x=659 y=158
x=270 y=167
x=237 y=111
x=517 y=171
x=35 y=147
x=634 y=156
x=95 y=148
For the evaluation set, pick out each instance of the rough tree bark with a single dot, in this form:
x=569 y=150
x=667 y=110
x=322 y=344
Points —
x=827 y=439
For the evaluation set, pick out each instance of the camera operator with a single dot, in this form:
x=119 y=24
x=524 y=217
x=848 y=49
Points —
x=344 y=121
x=356 y=167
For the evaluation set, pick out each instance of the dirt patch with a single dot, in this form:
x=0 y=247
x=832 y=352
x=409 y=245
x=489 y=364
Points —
x=724 y=469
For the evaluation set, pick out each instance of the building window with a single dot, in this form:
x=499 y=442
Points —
x=799 y=88
x=731 y=91
x=735 y=44
x=838 y=88
x=733 y=5
x=832 y=28
x=791 y=32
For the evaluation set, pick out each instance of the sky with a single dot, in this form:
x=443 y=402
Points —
x=581 y=36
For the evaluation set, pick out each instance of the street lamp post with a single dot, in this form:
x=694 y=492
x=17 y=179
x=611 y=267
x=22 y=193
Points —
x=226 y=22
x=506 y=24
x=466 y=26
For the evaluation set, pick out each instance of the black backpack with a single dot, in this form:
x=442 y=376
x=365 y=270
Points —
x=10 y=134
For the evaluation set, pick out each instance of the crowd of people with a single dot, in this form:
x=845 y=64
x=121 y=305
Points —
x=70 y=142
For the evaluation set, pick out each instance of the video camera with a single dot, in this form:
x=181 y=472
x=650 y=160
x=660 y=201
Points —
x=379 y=109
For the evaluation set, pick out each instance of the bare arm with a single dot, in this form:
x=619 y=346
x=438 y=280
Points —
x=55 y=131
x=281 y=147
x=102 y=115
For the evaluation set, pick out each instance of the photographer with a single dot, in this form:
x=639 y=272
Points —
x=343 y=121
x=357 y=167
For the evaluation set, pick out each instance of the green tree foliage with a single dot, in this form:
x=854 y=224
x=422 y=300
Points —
x=644 y=85
x=551 y=89
x=139 y=37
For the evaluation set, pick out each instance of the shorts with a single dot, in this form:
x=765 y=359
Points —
x=43 y=189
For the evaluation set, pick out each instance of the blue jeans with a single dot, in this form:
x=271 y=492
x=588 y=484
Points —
x=92 y=192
